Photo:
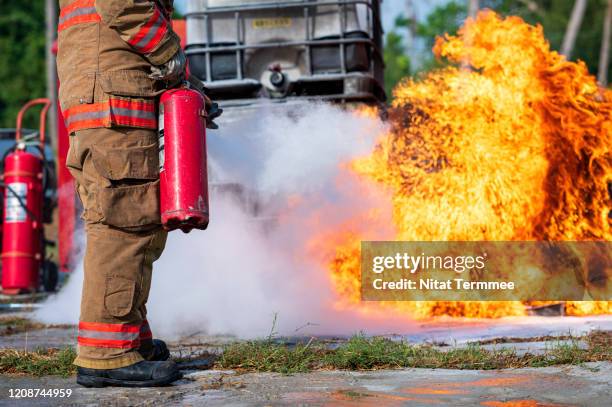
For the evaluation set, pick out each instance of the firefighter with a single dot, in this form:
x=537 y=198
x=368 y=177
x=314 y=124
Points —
x=115 y=58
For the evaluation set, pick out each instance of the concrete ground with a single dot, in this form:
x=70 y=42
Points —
x=587 y=385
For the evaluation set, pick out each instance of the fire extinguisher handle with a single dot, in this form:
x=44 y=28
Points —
x=43 y=118
x=214 y=111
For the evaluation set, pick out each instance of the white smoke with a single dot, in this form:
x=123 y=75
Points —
x=63 y=308
x=253 y=261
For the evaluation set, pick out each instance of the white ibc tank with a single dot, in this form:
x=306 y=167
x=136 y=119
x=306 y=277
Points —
x=325 y=21
x=199 y=5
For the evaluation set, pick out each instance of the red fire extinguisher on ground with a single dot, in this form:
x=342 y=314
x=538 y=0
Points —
x=23 y=237
x=182 y=160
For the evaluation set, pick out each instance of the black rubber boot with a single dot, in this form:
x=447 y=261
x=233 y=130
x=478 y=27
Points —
x=142 y=374
x=160 y=351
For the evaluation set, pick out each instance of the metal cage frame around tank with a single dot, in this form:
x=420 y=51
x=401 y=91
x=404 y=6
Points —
x=373 y=42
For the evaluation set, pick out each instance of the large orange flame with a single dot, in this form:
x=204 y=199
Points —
x=512 y=143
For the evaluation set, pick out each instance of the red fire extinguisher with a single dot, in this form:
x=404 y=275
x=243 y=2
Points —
x=182 y=160
x=23 y=208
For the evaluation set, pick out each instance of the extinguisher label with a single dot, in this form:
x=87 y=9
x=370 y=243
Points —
x=162 y=157
x=16 y=198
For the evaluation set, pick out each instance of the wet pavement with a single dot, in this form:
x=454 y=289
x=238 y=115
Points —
x=587 y=385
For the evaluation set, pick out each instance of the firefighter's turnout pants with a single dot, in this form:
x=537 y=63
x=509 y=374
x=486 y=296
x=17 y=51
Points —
x=106 y=51
x=117 y=177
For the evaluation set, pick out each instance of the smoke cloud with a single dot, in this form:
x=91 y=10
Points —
x=278 y=177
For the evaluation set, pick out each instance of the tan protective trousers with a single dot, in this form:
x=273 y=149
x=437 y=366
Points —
x=117 y=177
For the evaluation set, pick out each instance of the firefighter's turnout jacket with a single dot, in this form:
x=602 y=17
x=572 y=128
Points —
x=113 y=43
x=106 y=49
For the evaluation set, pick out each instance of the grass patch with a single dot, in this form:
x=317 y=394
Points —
x=368 y=353
x=358 y=353
x=56 y=362
x=268 y=356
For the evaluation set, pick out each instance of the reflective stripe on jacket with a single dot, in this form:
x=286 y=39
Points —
x=105 y=52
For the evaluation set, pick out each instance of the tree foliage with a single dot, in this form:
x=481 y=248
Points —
x=443 y=19
x=397 y=62
x=553 y=15
x=22 y=61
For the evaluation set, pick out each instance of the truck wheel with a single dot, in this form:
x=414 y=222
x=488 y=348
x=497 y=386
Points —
x=50 y=276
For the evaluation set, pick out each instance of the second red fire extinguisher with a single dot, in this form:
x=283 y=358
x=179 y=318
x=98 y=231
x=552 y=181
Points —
x=182 y=160
x=23 y=239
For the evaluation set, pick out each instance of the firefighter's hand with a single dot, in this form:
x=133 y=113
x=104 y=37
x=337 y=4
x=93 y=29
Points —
x=212 y=109
x=172 y=71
